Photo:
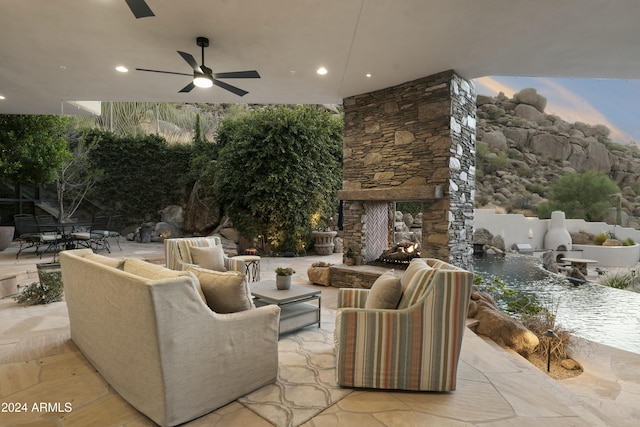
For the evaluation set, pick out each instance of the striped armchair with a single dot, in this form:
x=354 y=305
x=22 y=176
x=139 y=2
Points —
x=178 y=255
x=413 y=347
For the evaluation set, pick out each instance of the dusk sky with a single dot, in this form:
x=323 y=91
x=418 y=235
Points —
x=613 y=103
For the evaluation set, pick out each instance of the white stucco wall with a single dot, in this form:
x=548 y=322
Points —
x=516 y=228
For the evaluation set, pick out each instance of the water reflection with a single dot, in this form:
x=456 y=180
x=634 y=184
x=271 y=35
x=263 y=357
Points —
x=595 y=312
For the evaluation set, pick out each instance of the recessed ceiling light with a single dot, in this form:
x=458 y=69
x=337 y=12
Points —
x=122 y=69
x=368 y=75
x=2 y=97
x=322 y=71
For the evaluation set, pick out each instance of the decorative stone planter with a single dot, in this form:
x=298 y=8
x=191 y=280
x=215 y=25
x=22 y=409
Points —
x=283 y=282
x=324 y=242
x=6 y=236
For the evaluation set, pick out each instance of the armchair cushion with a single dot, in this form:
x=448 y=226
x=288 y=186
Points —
x=385 y=292
x=224 y=292
x=209 y=257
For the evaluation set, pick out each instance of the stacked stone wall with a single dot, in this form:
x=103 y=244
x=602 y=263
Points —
x=403 y=142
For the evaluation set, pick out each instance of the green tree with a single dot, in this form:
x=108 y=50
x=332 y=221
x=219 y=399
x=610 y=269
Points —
x=278 y=172
x=32 y=147
x=586 y=195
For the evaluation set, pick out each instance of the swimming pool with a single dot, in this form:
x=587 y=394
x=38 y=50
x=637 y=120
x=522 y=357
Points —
x=598 y=313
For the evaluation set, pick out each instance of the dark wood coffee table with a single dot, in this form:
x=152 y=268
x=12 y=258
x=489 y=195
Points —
x=296 y=312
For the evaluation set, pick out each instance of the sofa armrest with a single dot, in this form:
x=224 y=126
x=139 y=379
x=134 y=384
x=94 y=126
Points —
x=216 y=357
x=352 y=298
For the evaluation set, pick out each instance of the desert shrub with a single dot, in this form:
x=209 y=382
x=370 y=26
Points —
x=628 y=241
x=619 y=279
x=599 y=238
x=544 y=321
x=494 y=113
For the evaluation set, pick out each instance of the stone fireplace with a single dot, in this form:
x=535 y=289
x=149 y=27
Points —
x=411 y=142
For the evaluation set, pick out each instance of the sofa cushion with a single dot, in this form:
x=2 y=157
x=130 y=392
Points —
x=225 y=292
x=111 y=262
x=209 y=257
x=385 y=292
x=156 y=272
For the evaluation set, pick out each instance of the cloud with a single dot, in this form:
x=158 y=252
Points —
x=493 y=87
x=561 y=101
x=571 y=107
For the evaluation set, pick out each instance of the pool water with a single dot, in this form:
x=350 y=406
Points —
x=598 y=313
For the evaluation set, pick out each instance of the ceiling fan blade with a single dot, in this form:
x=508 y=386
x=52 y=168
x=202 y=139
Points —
x=230 y=88
x=139 y=8
x=187 y=88
x=191 y=61
x=253 y=74
x=164 y=72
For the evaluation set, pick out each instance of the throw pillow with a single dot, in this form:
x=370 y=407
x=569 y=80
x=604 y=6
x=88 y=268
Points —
x=385 y=292
x=209 y=257
x=225 y=292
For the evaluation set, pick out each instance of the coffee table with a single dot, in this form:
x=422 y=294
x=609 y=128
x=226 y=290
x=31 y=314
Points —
x=296 y=311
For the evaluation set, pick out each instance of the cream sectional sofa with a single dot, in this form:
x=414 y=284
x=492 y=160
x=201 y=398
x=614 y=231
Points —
x=148 y=331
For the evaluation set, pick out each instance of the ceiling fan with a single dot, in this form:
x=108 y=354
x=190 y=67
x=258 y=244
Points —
x=203 y=76
x=139 y=8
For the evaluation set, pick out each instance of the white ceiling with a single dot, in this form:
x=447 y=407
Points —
x=53 y=51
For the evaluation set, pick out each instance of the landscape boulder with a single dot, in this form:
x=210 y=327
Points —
x=498 y=326
x=318 y=273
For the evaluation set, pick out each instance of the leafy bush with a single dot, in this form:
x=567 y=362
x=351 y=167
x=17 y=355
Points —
x=278 y=172
x=628 y=241
x=599 y=238
x=142 y=175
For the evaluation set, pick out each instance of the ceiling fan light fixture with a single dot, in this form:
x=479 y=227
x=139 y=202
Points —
x=202 y=80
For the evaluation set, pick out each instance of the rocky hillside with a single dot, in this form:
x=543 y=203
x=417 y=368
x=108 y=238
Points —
x=521 y=151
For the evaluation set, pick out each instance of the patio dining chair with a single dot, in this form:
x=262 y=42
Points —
x=95 y=237
x=28 y=232
x=50 y=233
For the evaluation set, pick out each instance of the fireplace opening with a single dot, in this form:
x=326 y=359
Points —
x=400 y=253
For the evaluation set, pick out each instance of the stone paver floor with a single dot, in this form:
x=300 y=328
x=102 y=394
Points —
x=39 y=363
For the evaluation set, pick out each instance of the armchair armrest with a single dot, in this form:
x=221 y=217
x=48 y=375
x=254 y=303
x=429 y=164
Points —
x=235 y=265
x=352 y=297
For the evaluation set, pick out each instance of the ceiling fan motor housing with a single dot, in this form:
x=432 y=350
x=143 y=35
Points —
x=202 y=41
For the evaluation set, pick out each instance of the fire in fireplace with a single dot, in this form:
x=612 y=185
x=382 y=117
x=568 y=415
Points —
x=401 y=253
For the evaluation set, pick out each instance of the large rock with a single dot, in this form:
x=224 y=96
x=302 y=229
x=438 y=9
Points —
x=529 y=113
x=555 y=147
x=166 y=230
x=549 y=261
x=319 y=273
x=482 y=236
x=505 y=331
x=203 y=214
x=173 y=215
x=496 y=140
x=531 y=97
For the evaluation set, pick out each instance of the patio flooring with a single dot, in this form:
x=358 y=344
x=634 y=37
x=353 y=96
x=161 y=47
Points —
x=495 y=386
